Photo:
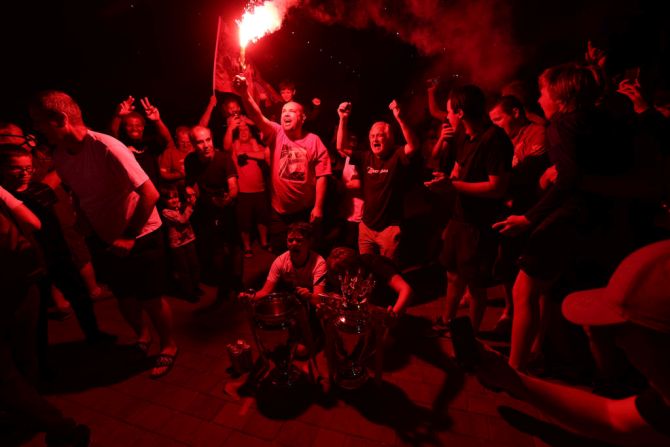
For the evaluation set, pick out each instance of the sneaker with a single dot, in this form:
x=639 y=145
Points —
x=438 y=329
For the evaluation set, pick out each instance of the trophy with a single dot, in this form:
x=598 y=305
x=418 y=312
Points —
x=354 y=331
x=277 y=323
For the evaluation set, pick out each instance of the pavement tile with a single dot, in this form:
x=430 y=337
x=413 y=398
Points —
x=329 y=438
x=261 y=427
x=233 y=415
x=470 y=424
x=175 y=397
x=205 y=407
x=503 y=433
x=211 y=435
x=297 y=434
x=149 y=416
x=181 y=427
x=237 y=439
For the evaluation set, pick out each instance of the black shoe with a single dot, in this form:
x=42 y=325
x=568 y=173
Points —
x=79 y=436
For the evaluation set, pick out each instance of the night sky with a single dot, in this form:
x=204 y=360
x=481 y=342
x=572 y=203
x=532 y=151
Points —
x=100 y=51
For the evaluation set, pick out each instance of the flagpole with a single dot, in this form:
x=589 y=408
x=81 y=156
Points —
x=216 y=54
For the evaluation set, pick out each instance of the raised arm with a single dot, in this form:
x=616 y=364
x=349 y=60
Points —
x=207 y=114
x=124 y=108
x=344 y=110
x=154 y=116
x=254 y=112
x=412 y=143
x=435 y=111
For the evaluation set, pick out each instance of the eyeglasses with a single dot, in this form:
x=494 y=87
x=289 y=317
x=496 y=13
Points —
x=21 y=169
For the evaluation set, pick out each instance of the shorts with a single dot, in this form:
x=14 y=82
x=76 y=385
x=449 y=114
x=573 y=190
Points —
x=252 y=207
x=470 y=252
x=141 y=274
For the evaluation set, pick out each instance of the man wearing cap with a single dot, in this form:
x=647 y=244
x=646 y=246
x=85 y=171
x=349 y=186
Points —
x=636 y=305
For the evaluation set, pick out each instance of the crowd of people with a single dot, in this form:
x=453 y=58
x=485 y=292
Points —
x=543 y=201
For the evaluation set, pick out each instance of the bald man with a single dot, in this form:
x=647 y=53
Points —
x=382 y=171
x=299 y=165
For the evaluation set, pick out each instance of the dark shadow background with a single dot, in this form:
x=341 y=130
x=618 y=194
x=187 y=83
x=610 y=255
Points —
x=101 y=51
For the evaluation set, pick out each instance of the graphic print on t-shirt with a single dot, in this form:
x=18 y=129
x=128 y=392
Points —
x=293 y=163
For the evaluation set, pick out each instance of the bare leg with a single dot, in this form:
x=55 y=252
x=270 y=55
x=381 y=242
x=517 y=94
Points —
x=246 y=240
x=526 y=295
x=88 y=275
x=477 y=306
x=455 y=290
x=160 y=314
x=263 y=234
x=132 y=312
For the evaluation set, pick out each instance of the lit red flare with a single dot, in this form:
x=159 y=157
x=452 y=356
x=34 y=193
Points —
x=257 y=21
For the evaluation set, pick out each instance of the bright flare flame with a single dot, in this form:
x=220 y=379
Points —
x=258 y=21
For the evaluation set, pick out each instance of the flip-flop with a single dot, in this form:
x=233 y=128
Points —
x=165 y=362
x=143 y=346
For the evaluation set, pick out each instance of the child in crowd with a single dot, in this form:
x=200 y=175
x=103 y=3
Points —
x=176 y=216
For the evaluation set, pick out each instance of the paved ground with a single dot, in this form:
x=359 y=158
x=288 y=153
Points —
x=424 y=399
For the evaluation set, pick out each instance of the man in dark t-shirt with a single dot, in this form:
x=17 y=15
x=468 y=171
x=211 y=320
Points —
x=213 y=175
x=483 y=163
x=391 y=291
x=382 y=171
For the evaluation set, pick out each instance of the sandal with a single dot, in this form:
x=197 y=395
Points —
x=143 y=346
x=163 y=365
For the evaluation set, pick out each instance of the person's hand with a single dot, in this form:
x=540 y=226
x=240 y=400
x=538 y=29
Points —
x=595 y=55
x=316 y=102
x=247 y=295
x=212 y=102
x=494 y=373
x=344 y=110
x=222 y=201
x=631 y=88
x=512 y=226
x=234 y=121
x=549 y=177
x=125 y=107
x=431 y=85
x=303 y=293
x=151 y=111
x=240 y=85
x=191 y=195
x=122 y=246
x=447 y=132
x=395 y=108
x=440 y=182
x=316 y=215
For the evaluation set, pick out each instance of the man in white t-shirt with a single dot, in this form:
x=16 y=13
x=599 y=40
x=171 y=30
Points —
x=118 y=200
x=299 y=269
x=299 y=165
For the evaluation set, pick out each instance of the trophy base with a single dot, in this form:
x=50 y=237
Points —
x=352 y=380
x=285 y=399
x=285 y=379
